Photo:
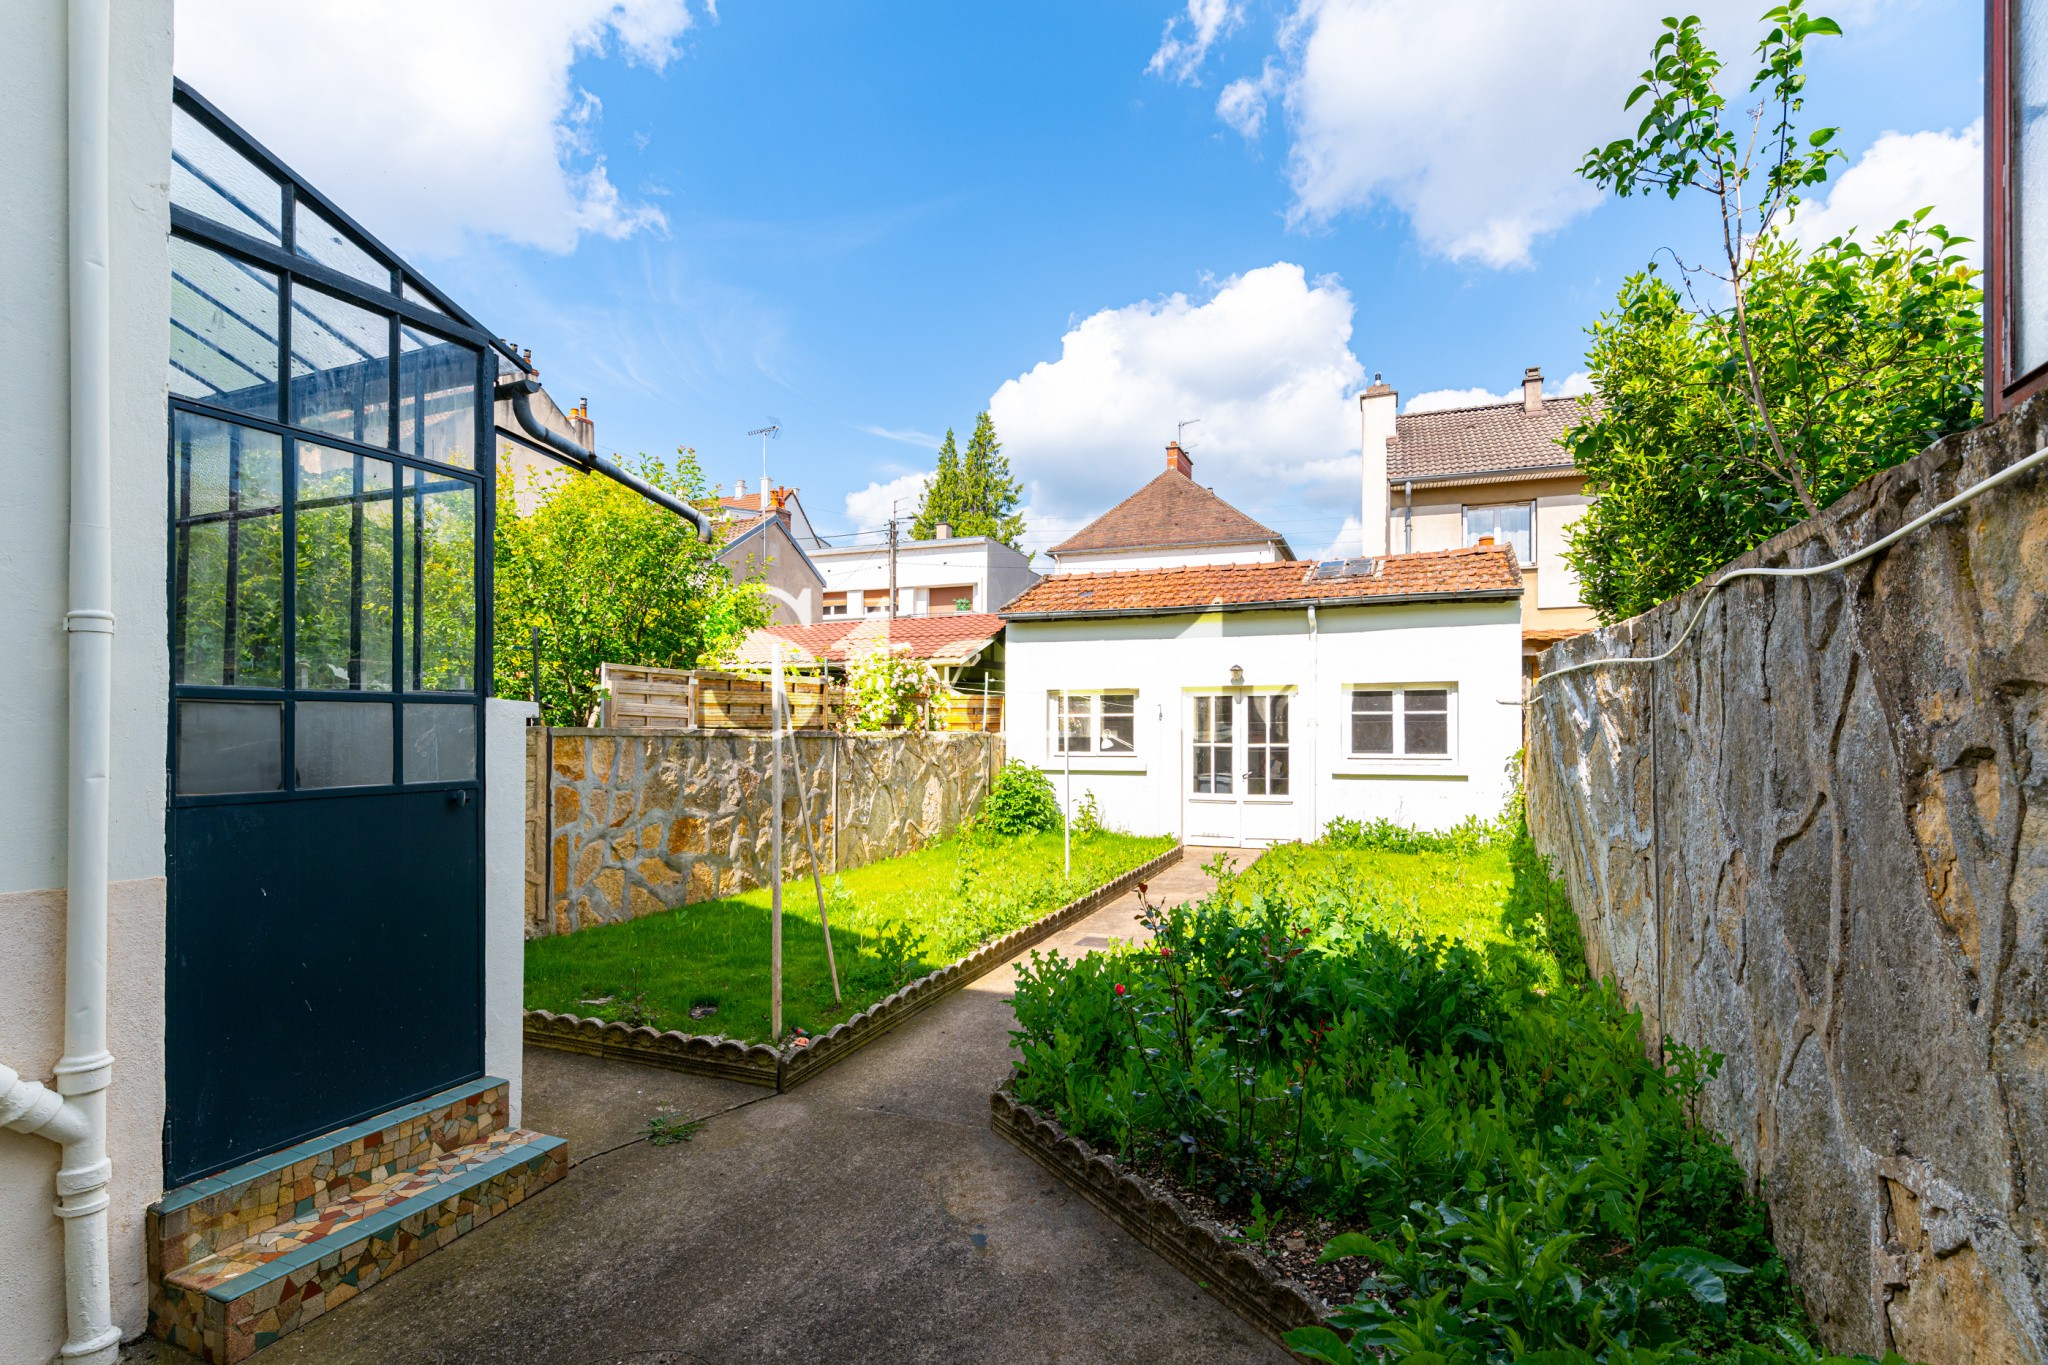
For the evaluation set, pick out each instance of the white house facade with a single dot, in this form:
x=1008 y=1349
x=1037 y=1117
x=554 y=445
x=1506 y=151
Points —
x=1253 y=704
x=933 y=577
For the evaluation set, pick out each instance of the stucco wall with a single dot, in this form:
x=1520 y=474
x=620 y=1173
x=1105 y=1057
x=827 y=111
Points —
x=1816 y=841
x=643 y=821
x=33 y=546
x=505 y=837
x=1475 y=648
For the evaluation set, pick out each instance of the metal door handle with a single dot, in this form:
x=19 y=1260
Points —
x=459 y=797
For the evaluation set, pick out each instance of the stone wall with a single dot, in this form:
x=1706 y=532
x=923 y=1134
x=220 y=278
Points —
x=1816 y=841
x=641 y=821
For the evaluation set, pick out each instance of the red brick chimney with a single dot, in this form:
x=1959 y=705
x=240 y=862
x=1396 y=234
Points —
x=1532 y=390
x=1177 y=460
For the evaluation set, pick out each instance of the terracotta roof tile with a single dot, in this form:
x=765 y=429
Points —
x=1171 y=510
x=1494 y=439
x=947 y=638
x=1481 y=571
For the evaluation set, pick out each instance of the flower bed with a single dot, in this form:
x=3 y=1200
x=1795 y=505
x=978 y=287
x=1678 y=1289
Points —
x=1481 y=1145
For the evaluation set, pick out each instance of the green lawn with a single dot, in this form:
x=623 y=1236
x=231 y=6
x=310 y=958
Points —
x=892 y=922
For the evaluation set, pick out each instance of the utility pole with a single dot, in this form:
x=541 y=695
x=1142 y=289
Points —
x=892 y=564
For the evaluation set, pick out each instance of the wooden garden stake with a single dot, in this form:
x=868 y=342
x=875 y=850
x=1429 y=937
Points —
x=803 y=814
x=775 y=853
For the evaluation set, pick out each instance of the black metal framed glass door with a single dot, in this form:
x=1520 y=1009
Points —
x=329 y=623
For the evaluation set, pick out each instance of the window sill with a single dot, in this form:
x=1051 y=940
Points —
x=1439 y=768
x=1094 y=763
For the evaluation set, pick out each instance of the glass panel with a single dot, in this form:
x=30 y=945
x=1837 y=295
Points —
x=344 y=590
x=2030 y=188
x=227 y=558
x=230 y=746
x=440 y=743
x=341 y=368
x=215 y=181
x=1255 y=772
x=1276 y=721
x=1509 y=524
x=1372 y=722
x=341 y=744
x=1255 y=720
x=436 y=398
x=1119 y=723
x=1080 y=715
x=1276 y=772
x=1425 y=722
x=1202 y=776
x=317 y=239
x=412 y=293
x=223 y=330
x=437 y=556
x=1055 y=731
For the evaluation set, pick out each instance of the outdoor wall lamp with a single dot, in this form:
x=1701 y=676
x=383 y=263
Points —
x=1237 y=675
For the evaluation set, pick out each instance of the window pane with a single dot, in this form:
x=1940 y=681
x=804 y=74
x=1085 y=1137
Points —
x=412 y=293
x=1204 y=726
x=223 y=330
x=1119 y=723
x=1425 y=722
x=1276 y=772
x=1509 y=524
x=1053 y=728
x=341 y=368
x=1255 y=773
x=1202 y=775
x=1276 y=720
x=215 y=181
x=1255 y=720
x=437 y=548
x=1372 y=722
x=317 y=239
x=2030 y=188
x=436 y=398
x=227 y=574
x=341 y=744
x=1219 y=765
x=344 y=590
x=230 y=746
x=1080 y=714
x=440 y=743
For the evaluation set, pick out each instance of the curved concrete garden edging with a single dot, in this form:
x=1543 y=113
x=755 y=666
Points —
x=785 y=1068
x=1242 y=1281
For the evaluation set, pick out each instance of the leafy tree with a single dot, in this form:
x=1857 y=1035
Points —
x=609 y=578
x=889 y=689
x=974 y=493
x=1738 y=397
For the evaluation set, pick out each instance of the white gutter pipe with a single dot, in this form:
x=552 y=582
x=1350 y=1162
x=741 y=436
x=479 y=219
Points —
x=75 y=1115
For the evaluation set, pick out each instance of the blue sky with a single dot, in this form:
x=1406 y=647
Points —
x=873 y=221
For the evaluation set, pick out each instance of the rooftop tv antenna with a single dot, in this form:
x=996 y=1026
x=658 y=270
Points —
x=1180 y=430
x=767 y=434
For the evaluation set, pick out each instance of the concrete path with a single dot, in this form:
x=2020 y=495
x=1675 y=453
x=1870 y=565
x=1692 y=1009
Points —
x=870 y=1215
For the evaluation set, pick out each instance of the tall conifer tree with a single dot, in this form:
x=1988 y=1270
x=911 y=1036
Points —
x=972 y=493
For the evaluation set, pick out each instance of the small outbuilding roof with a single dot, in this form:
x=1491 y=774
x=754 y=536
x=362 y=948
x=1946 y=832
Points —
x=1480 y=572
x=950 y=639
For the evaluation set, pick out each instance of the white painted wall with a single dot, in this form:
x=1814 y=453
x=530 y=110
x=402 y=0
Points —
x=1557 y=584
x=1473 y=647
x=996 y=572
x=505 y=890
x=33 y=546
x=1180 y=557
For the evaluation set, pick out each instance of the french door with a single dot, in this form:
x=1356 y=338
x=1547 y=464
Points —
x=1239 y=783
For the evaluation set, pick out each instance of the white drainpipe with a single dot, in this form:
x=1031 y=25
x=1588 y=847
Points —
x=75 y=1115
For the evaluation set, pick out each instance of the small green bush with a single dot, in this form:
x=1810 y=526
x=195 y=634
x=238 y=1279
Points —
x=1020 y=801
x=1467 y=836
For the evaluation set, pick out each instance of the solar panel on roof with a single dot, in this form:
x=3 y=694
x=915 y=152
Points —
x=1345 y=568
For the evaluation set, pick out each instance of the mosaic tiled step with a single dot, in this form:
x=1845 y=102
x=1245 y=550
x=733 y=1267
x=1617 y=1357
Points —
x=230 y=1305
x=244 y=1257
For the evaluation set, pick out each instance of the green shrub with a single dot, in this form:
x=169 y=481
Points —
x=1522 y=1176
x=1020 y=801
x=1467 y=836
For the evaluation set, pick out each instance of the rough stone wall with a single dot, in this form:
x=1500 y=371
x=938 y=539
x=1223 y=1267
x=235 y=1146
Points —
x=1816 y=841
x=641 y=821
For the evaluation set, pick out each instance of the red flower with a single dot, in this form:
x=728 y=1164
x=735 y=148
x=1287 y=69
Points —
x=1119 y=988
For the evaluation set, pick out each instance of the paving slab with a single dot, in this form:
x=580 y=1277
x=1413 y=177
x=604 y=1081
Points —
x=869 y=1215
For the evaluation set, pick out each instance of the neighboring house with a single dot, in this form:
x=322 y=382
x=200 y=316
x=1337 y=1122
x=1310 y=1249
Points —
x=964 y=648
x=770 y=548
x=1170 y=522
x=786 y=501
x=531 y=467
x=1453 y=478
x=1253 y=703
x=938 y=577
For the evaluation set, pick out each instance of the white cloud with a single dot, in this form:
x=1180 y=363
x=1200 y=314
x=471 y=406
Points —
x=1899 y=175
x=909 y=436
x=1470 y=118
x=1437 y=400
x=1206 y=20
x=872 y=506
x=432 y=123
x=1350 y=540
x=1265 y=362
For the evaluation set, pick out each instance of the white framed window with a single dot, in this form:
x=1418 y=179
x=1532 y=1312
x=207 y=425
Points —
x=1092 y=722
x=1403 y=722
x=1509 y=523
